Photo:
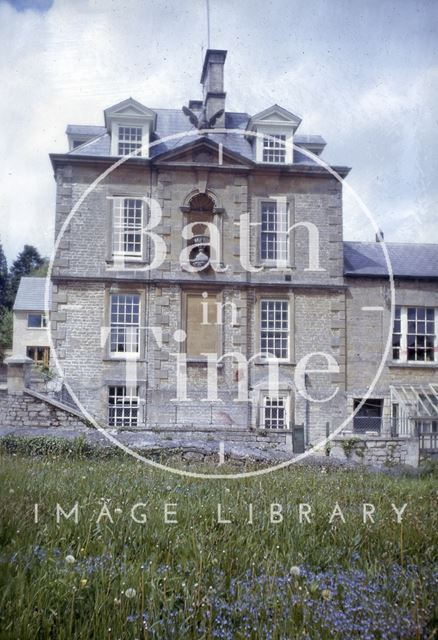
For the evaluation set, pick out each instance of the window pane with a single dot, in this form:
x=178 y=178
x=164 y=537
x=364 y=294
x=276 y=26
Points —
x=130 y=139
x=36 y=320
x=274 y=328
x=274 y=149
x=125 y=322
x=274 y=232
x=274 y=412
x=127 y=226
x=123 y=406
x=420 y=336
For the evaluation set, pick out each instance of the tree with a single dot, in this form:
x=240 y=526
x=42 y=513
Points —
x=26 y=263
x=6 y=322
x=4 y=280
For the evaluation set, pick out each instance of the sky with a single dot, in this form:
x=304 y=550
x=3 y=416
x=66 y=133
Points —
x=364 y=75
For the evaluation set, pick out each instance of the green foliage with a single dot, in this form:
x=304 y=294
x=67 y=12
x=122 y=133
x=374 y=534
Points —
x=41 y=271
x=4 y=280
x=54 y=447
x=6 y=325
x=354 y=446
x=67 y=580
x=26 y=263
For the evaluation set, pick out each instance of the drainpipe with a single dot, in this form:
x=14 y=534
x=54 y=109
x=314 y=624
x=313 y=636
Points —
x=307 y=419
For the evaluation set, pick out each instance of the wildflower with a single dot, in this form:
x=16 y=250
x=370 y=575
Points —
x=132 y=618
x=117 y=601
x=70 y=559
x=84 y=582
x=118 y=510
x=130 y=593
x=295 y=571
x=326 y=594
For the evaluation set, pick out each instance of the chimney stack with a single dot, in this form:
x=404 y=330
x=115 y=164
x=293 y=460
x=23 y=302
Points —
x=212 y=80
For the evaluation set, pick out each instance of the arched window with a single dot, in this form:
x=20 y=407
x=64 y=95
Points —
x=200 y=211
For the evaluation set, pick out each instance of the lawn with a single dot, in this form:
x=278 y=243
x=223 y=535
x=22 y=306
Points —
x=122 y=572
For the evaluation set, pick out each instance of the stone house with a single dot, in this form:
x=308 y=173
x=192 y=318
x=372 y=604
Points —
x=182 y=233
x=30 y=337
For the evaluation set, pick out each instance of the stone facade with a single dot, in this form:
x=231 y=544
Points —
x=330 y=315
x=30 y=409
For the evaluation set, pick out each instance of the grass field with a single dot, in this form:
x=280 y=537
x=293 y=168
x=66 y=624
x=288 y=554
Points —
x=201 y=578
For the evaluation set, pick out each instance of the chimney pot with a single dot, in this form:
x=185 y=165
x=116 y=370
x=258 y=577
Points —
x=212 y=80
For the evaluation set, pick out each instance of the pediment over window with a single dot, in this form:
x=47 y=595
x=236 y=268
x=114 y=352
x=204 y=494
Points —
x=203 y=152
x=130 y=110
x=274 y=115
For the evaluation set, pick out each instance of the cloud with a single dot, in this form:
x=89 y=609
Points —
x=30 y=5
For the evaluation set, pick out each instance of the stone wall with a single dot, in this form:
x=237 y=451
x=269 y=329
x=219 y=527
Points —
x=377 y=451
x=30 y=409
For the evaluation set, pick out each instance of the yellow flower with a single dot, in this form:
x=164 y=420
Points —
x=326 y=594
x=84 y=582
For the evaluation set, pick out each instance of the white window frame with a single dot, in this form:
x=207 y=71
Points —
x=267 y=404
x=403 y=333
x=121 y=229
x=123 y=406
x=43 y=320
x=281 y=232
x=274 y=130
x=123 y=332
x=145 y=128
x=274 y=148
x=131 y=144
x=275 y=331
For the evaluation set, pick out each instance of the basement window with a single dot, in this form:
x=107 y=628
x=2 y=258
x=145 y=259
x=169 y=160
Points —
x=275 y=412
x=123 y=404
x=369 y=416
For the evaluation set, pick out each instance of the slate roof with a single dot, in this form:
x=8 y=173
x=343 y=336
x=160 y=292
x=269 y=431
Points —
x=30 y=294
x=407 y=260
x=84 y=129
x=172 y=122
x=361 y=259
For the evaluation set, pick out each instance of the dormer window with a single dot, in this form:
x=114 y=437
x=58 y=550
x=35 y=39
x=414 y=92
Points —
x=274 y=148
x=271 y=135
x=130 y=125
x=130 y=139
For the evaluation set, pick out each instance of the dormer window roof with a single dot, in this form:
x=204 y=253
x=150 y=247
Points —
x=130 y=125
x=275 y=128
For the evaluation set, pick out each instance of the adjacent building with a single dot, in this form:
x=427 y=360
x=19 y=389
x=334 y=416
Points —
x=30 y=337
